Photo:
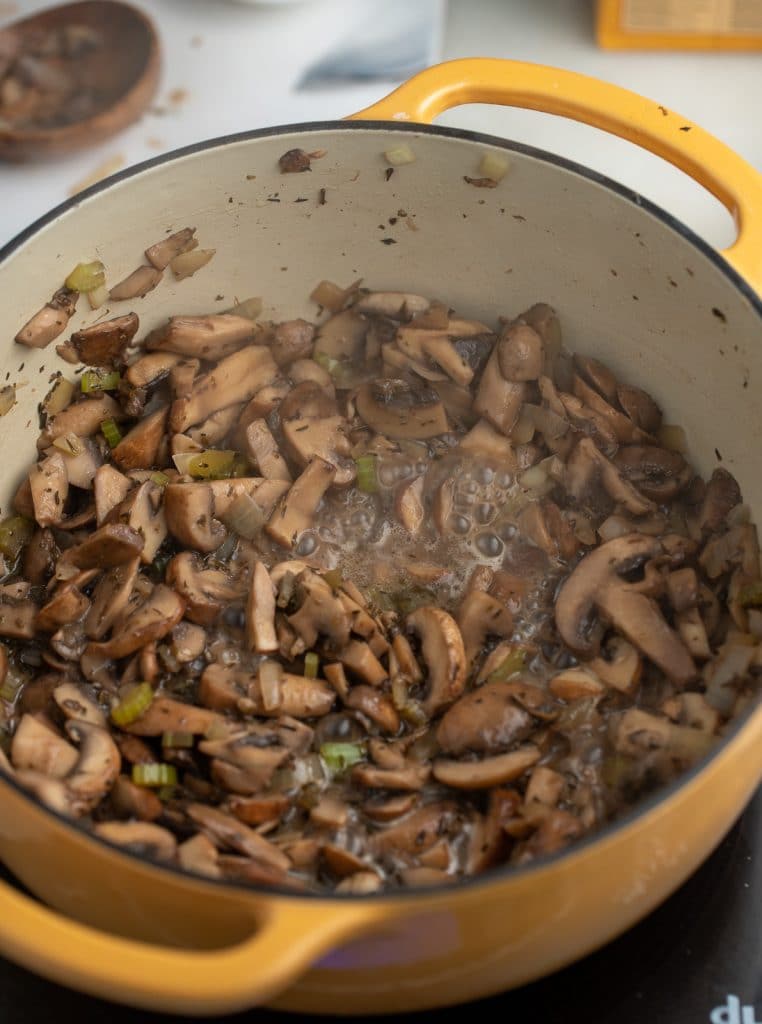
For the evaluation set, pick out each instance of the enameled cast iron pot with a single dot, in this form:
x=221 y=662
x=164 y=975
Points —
x=633 y=287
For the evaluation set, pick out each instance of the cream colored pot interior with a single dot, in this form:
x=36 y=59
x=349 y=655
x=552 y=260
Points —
x=629 y=288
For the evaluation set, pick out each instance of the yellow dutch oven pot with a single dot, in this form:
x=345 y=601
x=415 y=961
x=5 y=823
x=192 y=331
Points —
x=633 y=287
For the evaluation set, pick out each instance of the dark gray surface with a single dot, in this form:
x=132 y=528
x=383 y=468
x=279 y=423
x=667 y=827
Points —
x=679 y=965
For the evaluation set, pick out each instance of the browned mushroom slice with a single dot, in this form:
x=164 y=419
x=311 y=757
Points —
x=489 y=772
x=257 y=810
x=597 y=584
x=204 y=337
x=485 y=442
x=657 y=473
x=188 y=642
x=110 y=545
x=576 y=684
x=544 y=525
x=36 y=745
x=586 y=463
x=17 y=619
x=103 y=343
x=181 y=377
x=48 y=322
x=161 y=253
x=49 y=484
x=341 y=862
x=199 y=855
x=110 y=598
x=265 y=401
x=297 y=509
x=408 y=505
x=360 y=659
x=443 y=653
x=142 y=837
x=137 y=284
x=397 y=305
x=341 y=337
x=302 y=371
x=110 y=488
x=152 y=620
x=376 y=706
x=621 y=666
x=722 y=494
x=320 y=612
x=441 y=349
x=409 y=777
x=165 y=714
x=68 y=604
x=139 y=448
x=83 y=419
x=306 y=436
x=189 y=510
x=234 y=379
x=131 y=801
x=74 y=702
x=143 y=512
x=223 y=686
x=623 y=428
x=486 y=720
x=738 y=547
x=499 y=400
x=417 y=832
x=291 y=340
x=639 y=732
x=97 y=767
x=225 y=830
x=260 y=612
x=361 y=883
x=479 y=616
x=389 y=809
x=151 y=368
x=692 y=631
x=242 y=749
x=401 y=410
x=205 y=591
x=263 y=451
x=520 y=353
x=640 y=407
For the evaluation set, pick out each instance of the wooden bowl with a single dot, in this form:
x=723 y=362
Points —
x=99 y=61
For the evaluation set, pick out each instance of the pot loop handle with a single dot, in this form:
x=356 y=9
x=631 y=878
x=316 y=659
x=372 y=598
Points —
x=287 y=938
x=711 y=163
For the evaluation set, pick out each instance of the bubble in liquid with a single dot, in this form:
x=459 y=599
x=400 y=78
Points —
x=484 y=512
x=485 y=475
x=460 y=524
x=307 y=544
x=504 y=479
x=471 y=486
x=489 y=545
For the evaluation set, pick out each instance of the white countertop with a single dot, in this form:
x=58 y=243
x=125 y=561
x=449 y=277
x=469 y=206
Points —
x=234 y=68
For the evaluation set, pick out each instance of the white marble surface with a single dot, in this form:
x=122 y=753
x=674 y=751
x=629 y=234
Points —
x=237 y=65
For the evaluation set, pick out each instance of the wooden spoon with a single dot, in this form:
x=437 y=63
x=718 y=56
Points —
x=74 y=75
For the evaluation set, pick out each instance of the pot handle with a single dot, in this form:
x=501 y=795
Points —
x=287 y=938
x=711 y=163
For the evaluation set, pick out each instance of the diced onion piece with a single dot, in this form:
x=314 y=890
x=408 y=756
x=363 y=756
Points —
x=524 y=429
x=548 y=423
x=98 y=296
x=69 y=444
x=135 y=703
x=333 y=578
x=187 y=263
x=15 y=532
x=673 y=437
x=311 y=665
x=399 y=155
x=270 y=674
x=111 y=432
x=509 y=666
x=209 y=464
x=160 y=479
x=7 y=398
x=340 y=756
x=59 y=397
x=494 y=165
x=177 y=740
x=534 y=479
x=154 y=775
x=86 y=277
x=249 y=308
x=367 y=478
x=96 y=380
x=245 y=517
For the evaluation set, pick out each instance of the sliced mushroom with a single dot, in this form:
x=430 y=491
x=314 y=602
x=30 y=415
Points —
x=131 y=801
x=143 y=512
x=75 y=703
x=165 y=714
x=137 y=284
x=360 y=883
x=110 y=488
x=409 y=777
x=82 y=467
x=721 y=495
x=341 y=337
x=417 y=832
x=49 y=483
x=257 y=764
x=110 y=598
x=586 y=463
x=480 y=616
x=291 y=340
x=48 y=322
x=141 y=837
x=37 y=746
x=544 y=525
x=260 y=612
x=443 y=653
x=103 y=343
x=161 y=253
x=199 y=855
x=225 y=830
x=97 y=767
x=401 y=410
x=408 y=505
x=83 y=419
x=151 y=368
x=520 y=353
x=182 y=376
x=597 y=584
x=205 y=591
x=640 y=407
x=139 y=449
x=441 y=349
x=320 y=612
x=151 y=620
x=234 y=379
x=499 y=400
x=330 y=812
x=486 y=720
x=306 y=437
x=303 y=370
x=301 y=697
x=209 y=337
x=657 y=473
x=297 y=509
x=375 y=705
x=620 y=667
x=397 y=305
x=485 y=442
x=489 y=772
x=624 y=429
x=111 y=545
x=360 y=659
x=68 y=604
x=576 y=684
x=389 y=809
x=263 y=450
x=258 y=810
x=17 y=619
x=188 y=642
